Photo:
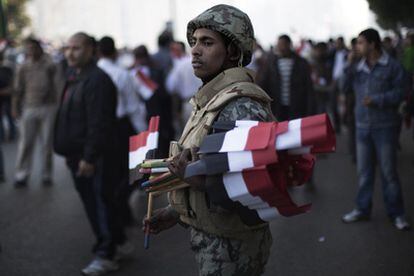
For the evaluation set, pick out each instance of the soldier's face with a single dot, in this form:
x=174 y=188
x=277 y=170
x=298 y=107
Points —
x=77 y=52
x=208 y=52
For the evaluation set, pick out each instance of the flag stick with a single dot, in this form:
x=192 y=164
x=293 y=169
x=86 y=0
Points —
x=147 y=226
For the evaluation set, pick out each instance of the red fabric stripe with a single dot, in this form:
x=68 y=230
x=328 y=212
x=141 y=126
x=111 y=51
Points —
x=147 y=81
x=282 y=127
x=317 y=131
x=138 y=141
x=258 y=137
x=154 y=124
x=269 y=183
x=267 y=155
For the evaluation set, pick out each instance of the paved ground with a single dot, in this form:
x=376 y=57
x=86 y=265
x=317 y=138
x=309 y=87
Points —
x=43 y=230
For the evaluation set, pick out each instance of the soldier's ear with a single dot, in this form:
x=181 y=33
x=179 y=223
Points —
x=233 y=52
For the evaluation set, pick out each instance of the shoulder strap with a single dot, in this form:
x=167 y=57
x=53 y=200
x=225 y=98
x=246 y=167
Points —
x=237 y=90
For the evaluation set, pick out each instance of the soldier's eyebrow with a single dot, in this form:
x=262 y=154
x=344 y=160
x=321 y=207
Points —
x=203 y=38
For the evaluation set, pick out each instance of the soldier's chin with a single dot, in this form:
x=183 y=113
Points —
x=198 y=73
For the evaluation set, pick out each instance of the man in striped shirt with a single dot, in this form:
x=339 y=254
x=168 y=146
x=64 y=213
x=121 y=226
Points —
x=286 y=77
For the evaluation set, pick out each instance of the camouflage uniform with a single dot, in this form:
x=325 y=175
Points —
x=222 y=243
x=217 y=256
x=225 y=256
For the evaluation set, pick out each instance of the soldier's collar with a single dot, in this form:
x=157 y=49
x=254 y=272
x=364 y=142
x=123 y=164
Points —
x=221 y=81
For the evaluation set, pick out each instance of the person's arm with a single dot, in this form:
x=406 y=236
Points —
x=100 y=106
x=394 y=96
x=18 y=92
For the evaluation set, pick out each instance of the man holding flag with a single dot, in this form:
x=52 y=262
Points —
x=222 y=43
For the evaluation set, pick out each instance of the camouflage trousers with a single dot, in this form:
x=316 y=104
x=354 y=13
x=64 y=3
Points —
x=218 y=256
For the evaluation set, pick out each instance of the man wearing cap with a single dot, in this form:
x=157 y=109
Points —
x=221 y=40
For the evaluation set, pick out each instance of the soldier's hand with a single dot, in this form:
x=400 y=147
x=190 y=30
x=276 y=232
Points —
x=179 y=163
x=85 y=169
x=161 y=219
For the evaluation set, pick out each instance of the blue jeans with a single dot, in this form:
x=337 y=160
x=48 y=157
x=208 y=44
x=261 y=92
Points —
x=378 y=146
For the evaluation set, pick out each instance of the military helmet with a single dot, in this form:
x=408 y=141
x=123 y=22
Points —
x=229 y=21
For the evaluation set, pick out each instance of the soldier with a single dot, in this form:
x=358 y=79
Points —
x=222 y=42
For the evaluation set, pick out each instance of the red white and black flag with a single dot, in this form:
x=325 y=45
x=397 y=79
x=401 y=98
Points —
x=262 y=191
x=140 y=145
x=313 y=134
x=235 y=150
x=253 y=163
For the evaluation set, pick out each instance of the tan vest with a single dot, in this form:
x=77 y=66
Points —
x=207 y=103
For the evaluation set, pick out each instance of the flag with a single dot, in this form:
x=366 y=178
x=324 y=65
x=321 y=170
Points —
x=253 y=163
x=262 y=190
x=242 y=153
x=147 y=81
x=313 y=134
x=140 y=145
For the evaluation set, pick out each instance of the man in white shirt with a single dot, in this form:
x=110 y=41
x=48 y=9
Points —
x=182 y=81
x=130 y=113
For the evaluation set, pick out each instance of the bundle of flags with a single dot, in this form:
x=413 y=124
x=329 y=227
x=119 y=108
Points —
x=141 y=147
x=251 y=163
x=255 y=162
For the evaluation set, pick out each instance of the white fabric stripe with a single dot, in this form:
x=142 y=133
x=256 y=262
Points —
x=240 y=160
x=136 y=157
x=300 y=151
x=237 y=190
x=247 y=123
x=292 y=138
x=235 y=140
x=259 y=205
x=159 y=170
x=268 y=214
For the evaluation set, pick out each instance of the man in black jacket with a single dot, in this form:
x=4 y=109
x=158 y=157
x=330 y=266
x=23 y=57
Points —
x=287 y=78
x=85 y=136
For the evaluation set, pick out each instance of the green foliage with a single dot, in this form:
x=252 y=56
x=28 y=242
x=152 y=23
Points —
x=393 y=14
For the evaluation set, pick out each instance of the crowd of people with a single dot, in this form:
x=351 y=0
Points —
x=83 y=103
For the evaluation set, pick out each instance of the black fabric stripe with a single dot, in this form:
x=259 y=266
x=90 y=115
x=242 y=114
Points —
x=209 y=164
x=212 y=143
x=216 y=163
x=218 y=196
x=224 y=125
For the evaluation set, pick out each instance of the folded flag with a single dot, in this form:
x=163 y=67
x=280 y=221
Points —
x=254 y=144
x=140 y=145
x=258 y=195
x=254 y=163
x=313 y=134
x=251 y=154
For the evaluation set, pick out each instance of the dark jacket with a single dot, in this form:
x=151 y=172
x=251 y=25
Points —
x=85 y=124
x=302 y=99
